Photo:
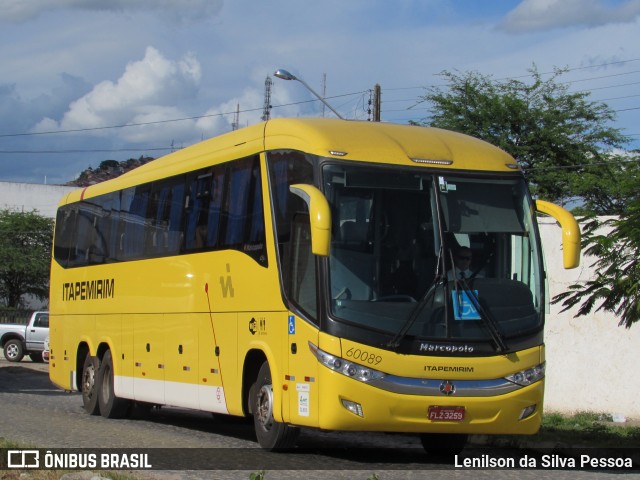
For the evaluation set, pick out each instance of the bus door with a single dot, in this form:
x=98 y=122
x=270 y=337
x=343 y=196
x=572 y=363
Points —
x=301 y=281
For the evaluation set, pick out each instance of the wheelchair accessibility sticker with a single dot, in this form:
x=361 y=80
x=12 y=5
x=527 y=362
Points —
x=463 y=307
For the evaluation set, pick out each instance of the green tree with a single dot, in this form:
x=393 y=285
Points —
x=615 y=287
x=609 y=187
x=554 y=134
x=25 y=256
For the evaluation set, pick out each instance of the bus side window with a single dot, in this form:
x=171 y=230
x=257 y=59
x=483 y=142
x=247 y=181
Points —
x=108 y=228
x=165 y=217
x=242 y=215
x=153 y=232
x=215 y=207
x=85 y=228
x=172 y=214
x=197 y=210
x=64 y=244
x=236 y=203
x=135 y=221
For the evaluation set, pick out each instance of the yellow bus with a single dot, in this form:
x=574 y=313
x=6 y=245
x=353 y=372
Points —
x=298 y=271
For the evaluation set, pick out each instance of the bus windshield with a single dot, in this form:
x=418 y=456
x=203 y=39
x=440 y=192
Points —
x=447 y=257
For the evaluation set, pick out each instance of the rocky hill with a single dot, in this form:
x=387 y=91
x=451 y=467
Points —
x=107 y=170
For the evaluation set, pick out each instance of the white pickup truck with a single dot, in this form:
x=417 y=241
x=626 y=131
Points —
x=19 y=340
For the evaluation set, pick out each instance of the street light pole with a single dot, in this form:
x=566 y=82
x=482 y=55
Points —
x=285 y=75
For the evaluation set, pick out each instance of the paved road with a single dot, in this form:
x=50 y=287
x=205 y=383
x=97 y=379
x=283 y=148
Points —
x=34 y=412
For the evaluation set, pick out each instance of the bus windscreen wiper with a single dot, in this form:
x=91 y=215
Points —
x=417 y=310
x=415 y=313
x=484 y=314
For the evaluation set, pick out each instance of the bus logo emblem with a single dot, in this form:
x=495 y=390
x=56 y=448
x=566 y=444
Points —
x=226 y=285
x=447 y=388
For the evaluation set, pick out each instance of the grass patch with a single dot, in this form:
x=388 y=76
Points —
x=588 y=429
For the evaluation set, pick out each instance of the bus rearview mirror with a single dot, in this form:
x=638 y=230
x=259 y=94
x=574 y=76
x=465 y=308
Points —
x=570 y=232
x=319 y=217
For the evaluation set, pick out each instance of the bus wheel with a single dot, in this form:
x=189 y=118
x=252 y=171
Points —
x=443 y=444
x=271 y=435
x=89 y=391
x=110 y=405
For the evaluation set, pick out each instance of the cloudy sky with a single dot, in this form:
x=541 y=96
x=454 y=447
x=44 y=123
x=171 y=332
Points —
x=88 y=80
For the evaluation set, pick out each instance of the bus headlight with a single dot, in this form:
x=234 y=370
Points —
x=345 y=367
x=527 y=377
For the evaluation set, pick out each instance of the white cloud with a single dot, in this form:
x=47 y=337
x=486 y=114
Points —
x=147 y=89
x=539 y=15
x=23 y=10
x=219 y=119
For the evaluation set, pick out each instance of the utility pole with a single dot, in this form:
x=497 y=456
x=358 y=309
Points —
x=324 y=90
x=377 y=93
x=266 y=109
x=236 y=119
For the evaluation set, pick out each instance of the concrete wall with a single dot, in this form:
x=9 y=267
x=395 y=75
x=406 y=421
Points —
x=29 y=196
x=590 y=359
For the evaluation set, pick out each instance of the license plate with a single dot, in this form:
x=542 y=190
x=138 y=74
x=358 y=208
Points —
x=446 y=414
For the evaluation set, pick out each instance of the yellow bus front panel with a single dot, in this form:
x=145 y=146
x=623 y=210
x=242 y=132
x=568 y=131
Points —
x=394 y=412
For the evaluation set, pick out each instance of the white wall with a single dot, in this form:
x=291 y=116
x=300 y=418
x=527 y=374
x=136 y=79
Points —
x=29 y=196
x=590 y=359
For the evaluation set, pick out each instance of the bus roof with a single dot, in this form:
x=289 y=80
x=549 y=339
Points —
x=384 y=143
x=345 y=139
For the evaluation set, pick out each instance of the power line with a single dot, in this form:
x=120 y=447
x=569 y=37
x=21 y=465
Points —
x=89 y=129
x=139 y=124
x=97 y=150
x=562 y=71
x=198 y=117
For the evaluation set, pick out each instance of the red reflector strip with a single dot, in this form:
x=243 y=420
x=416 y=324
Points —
x=291 y=378
x=309 y=379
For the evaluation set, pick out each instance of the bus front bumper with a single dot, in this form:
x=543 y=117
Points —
x=347 y=404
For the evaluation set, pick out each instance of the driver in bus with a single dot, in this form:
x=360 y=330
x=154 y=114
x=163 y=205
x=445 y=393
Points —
x=462 y=265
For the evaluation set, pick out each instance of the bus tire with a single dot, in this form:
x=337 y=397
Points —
x=271 y=435
x=110 y=405
x=13 y=350
x=443 y=444
x=89 y=384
